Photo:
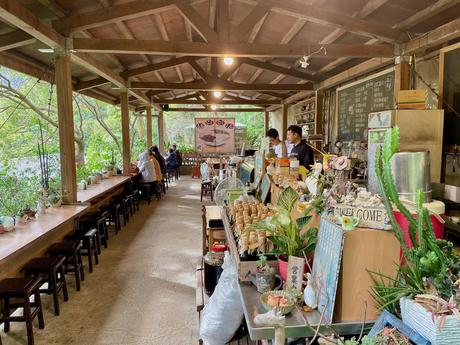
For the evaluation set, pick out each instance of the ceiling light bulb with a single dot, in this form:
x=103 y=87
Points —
x=213 y=107
x=228 y=60
x=217 y=94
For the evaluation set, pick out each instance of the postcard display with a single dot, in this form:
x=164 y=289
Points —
x=215 y=135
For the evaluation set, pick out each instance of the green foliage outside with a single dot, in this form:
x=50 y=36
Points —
x=26 y=103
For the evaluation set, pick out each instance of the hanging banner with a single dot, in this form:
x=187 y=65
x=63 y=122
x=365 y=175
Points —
x=215 y=135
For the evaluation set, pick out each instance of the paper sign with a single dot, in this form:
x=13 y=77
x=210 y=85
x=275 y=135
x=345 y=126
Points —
x=296 y=267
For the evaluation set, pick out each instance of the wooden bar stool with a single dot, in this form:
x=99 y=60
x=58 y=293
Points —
x=71 y=250
x=114 y=214
x=89 y=245
x=21 y=289
x=96 y=221
x=206 y=189
x=50 y=270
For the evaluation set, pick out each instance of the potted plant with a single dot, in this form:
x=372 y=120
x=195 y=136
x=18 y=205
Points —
x=427 y=286
x=287 y=233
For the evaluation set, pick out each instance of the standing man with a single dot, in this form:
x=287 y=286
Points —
x=278 y=146
x=303 y=151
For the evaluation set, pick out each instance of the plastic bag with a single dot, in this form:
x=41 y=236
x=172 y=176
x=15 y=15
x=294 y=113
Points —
x=223 y=314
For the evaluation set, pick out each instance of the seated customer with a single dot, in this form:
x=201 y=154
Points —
x=156 y=165
x=171 y=161
x=160 y=159
x=276 y=143
x=146 y=168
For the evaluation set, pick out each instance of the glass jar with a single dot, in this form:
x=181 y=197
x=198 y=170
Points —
x=294 y=165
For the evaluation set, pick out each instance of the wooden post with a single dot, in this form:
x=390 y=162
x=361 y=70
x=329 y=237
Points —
x=161 y=136
x=63 y=75
x=284 y=127
x=148 y=113
x=266 y=121
x=402 y=77
x=125 y=131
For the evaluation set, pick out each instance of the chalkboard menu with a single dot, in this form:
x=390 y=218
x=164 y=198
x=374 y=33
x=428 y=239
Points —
x=356 y=101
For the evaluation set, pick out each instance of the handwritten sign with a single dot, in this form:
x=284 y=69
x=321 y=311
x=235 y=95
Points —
x=374 y=218
x=296 y=267
x=326 y=266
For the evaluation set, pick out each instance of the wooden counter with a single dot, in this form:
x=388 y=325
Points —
x=33 y=238
x=96 y=191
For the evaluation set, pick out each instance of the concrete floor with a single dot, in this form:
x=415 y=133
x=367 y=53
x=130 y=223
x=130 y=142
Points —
x=143 y=291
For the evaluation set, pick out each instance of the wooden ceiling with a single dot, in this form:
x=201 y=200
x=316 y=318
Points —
x=171 y=51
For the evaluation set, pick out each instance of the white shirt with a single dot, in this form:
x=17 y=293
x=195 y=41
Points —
x=278 y=149
x=146 y=168
x=289 y=146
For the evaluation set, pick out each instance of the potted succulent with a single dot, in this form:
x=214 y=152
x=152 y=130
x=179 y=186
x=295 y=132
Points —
x=265 y=276
x=286 y=232
x=427 y=287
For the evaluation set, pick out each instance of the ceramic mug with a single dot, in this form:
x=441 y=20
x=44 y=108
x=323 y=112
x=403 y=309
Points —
x=266 y=281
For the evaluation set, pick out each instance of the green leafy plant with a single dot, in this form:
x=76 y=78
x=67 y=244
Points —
x=285 y=231
x=430 y=264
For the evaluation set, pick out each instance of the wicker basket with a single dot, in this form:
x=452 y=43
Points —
x=421 y=320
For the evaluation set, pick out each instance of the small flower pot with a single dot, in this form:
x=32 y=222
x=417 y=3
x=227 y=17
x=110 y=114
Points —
x=423 y=322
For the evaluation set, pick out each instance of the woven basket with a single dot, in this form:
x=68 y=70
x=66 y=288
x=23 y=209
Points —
x=418 y=318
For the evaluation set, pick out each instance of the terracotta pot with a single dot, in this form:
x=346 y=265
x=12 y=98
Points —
x=283 y=266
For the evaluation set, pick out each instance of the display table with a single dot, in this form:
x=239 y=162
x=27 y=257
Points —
x=99 y=190
x=34 y=237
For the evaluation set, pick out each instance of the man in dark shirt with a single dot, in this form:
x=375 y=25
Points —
x=303 y=151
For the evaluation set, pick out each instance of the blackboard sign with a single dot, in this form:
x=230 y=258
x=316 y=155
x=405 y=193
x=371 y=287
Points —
x=356 y=101
x=264 y=188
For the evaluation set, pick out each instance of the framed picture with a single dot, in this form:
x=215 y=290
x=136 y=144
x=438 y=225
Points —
x=215 y=135
x=387 y=319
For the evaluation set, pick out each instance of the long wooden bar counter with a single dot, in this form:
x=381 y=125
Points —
x=33 y=238
x=96 y=191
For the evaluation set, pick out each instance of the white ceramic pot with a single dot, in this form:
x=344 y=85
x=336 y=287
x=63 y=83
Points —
x=93 y=179
x=105 y=174
x=421 y=320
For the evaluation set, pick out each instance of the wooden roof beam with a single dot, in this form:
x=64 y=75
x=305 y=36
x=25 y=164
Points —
x=427 y=13
x=223 y=86
x=339 y=20
x=54 y=7
x=216 y=101
x=435 y=37
x=218 y=110
x=15 y=39
x=125 y=46
x=249 y=22
x=89 y=84
x=275 y=68
x=111 y=15
x=205 y=76
x=155 y=67
x=198 y=23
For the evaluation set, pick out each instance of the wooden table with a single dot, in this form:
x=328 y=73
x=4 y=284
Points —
x=96 y=191
x=34 y=237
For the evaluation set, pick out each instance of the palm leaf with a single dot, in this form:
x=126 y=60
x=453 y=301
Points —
x=303 y=221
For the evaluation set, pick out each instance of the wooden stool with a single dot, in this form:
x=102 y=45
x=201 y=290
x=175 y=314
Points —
x=99 y=222
x=206 y=189
x=22 y=289
x=136 y=198
x=113 y=214
x=210 y=234
x=51 y=271
x=89 y=246
x=71 y=250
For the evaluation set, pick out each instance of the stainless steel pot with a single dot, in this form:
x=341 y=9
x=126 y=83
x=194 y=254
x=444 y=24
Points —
x=411 y=172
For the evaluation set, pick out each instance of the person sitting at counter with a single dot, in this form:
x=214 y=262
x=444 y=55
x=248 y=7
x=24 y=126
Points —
x=156 y=165
x=276 y=143
x=156 y=152
x=171 y=160
x=303 y=151
x=146 y=168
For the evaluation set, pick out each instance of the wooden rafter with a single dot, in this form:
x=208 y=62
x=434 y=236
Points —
x=256 y=15
x=124 y=46
x=178 y=100
x=230 y=70
x=435 y=37
x=205 y=76
x=128 y=34
x=427 y=13
x=274 y=94
x=155 y=67
x=339 y=20
x=218 y=110
x=223 y=20
x=89 y=84
x=54 y=7
x=219 y=85
x=275 y=68
x=111 y=15
x=195 y=20
x=15 y=39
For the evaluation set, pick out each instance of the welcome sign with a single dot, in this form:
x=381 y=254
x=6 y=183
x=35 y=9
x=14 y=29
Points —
x=374 y=218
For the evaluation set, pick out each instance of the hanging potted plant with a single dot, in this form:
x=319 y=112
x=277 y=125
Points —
x=428 y=285
x=286 y=232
